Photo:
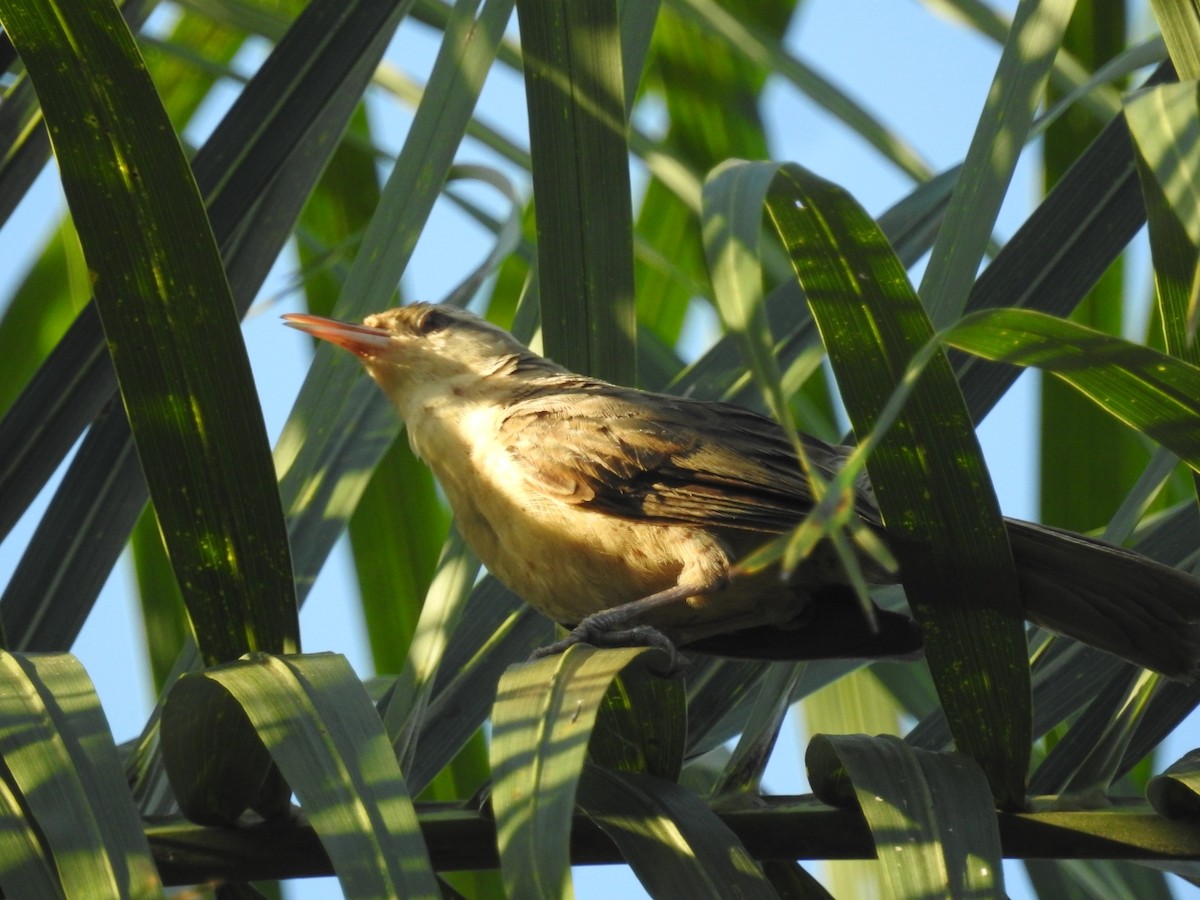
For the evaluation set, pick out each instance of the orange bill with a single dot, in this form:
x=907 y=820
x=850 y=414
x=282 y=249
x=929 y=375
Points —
x=360 y=339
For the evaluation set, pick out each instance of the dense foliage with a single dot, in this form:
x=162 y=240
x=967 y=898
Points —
x=122 y=344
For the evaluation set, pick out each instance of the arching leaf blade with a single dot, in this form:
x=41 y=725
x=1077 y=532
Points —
x=1150 y=391
x=940 y=512
x=170 y=325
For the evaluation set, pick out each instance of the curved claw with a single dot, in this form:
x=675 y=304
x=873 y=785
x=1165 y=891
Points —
x=594 y=633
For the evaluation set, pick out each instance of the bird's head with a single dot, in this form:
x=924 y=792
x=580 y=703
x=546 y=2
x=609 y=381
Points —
x=422 y=347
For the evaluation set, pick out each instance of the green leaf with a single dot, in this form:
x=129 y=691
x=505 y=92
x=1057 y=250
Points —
x=732 y=210
x=676 y=845
x=855 y=704
x=1086 y=879
x=930 y=813
x=395 y=533
x=1097 y=748
x=164 y=615
x=496 y=630
x=541 y=723
x=713 y=97
x=1163 y=123
x=1176 y=792
x=1180 y=24
x=575 y=89
x=318 y=724
x=1101 y=765
x=443 y=610
x=1029 y=51
x=939 y=510
x=770 y=55
x=1062 y=249
x=170 y=324
x=189 y=61
x=217 y=765
x=642 y=725
x=272 y=141
x=29 y=864
x=721 y=694
x=721 y=372
x=792 y=880
x=744 y=771
x=53 y=291
x=399 y=523
x=1068 y=77
x=70 y=823
x=24 y=143
x=1154 y=393
x=1103 y=458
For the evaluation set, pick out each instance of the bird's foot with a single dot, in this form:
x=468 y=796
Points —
x=594 y=633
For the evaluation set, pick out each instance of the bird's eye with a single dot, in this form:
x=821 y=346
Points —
x=434 y=320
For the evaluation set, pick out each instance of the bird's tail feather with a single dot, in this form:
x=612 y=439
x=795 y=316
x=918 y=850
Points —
x=832 y=626
x=1109 y=597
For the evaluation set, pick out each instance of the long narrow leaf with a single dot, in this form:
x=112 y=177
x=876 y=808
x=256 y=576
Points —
x=1180 y=25
x=1176 y=792
x=1105 y=459
x=497 y=629
x=77 y=380
x=1062 y=249
x=321 y=729
x=773 y=57
x=930 y=814
x=676 y=844
x=170 y=325
x=1154 y=393
x=59 y=757
x=1163 y=123
x=927 y=470
x=1033 y=40
x=575 y=89
x=744 y=771
x=541 y=722
x=323 y=460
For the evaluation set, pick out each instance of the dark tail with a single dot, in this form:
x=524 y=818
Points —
x=1109 y=597
x=832 y=626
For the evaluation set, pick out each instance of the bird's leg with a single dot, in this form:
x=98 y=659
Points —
x=603 y=628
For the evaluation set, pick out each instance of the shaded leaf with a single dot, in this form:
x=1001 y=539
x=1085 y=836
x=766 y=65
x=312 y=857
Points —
x=1033 y=40
x=676 y=845
x=642 y=725
x=930 y=814
x=1176 y=792
x=313 y=717
x=575 y=90
x=170 y=325
x=1163 y=123
x=927 y=471
x=1154 y=393
x=70 y=824
x=543 y=717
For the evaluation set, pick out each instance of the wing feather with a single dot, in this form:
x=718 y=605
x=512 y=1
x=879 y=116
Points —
x=669 y=459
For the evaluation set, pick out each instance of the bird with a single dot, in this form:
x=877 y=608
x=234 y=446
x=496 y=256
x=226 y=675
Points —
x=622 y=514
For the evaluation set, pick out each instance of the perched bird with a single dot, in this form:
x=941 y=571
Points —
x=622 y=513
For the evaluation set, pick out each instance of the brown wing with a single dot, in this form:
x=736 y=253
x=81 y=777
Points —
x=664 y=458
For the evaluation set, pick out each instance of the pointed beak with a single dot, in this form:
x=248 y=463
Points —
x=358 y=339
